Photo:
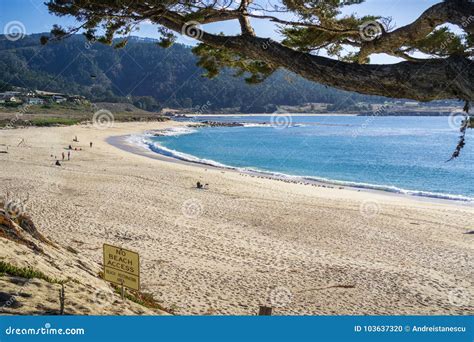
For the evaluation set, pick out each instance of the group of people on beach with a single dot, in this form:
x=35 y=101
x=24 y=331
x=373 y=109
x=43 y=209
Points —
x=69 y=148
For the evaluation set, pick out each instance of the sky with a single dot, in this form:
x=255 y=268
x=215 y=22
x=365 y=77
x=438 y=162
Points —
x=35 y=18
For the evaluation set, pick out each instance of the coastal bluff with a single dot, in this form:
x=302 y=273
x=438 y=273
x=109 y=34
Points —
x=34 y=270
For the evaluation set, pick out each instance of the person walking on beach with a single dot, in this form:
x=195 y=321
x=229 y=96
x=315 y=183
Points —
x=63 y=155
x=90 y=144
x=68 y=155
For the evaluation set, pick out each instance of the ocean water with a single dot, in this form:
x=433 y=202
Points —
x=399 y=154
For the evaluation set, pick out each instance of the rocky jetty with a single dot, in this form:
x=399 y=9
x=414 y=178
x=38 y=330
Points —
x=221 y=124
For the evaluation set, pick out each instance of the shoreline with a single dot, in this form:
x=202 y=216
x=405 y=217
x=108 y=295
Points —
x=122 y=142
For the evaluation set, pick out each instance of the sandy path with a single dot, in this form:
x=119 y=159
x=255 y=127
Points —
x=247 y=240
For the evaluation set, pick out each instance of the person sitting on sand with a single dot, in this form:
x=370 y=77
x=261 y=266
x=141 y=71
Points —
x=70 y=147
x=58 y=163
x=199 y=185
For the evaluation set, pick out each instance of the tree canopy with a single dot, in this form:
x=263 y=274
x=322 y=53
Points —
x=318 y=41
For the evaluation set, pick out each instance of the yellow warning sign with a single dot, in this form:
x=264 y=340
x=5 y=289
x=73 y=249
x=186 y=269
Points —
x=122 y=266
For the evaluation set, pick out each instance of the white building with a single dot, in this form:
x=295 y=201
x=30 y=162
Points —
x=59 y=99
x=34 y=101
x=9 y=98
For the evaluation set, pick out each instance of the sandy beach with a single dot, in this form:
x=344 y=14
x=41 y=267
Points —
x=245 y=241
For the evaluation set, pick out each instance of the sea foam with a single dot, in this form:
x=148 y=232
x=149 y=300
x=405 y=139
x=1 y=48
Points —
x=145 y=141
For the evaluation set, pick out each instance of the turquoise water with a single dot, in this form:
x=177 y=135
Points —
x=402 y=154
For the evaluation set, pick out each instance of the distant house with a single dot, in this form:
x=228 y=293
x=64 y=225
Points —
x=29 y=93
x=77 y=99
x=9 y=99
x=47 y=93
x=58 y=99
x=34 y=101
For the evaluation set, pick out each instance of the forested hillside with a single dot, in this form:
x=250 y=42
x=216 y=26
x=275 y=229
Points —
x=154 y=76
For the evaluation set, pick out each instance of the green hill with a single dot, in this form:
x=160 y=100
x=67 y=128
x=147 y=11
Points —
x=147 y=74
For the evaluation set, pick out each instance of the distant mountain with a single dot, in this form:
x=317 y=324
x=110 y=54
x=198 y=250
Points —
x=151 y=75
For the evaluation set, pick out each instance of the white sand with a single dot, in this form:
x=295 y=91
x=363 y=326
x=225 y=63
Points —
x=245 y=241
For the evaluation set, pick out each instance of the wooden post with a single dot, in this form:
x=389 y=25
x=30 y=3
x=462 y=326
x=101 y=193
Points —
x=122 y=291
x=62 y=297
x=265 y=311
